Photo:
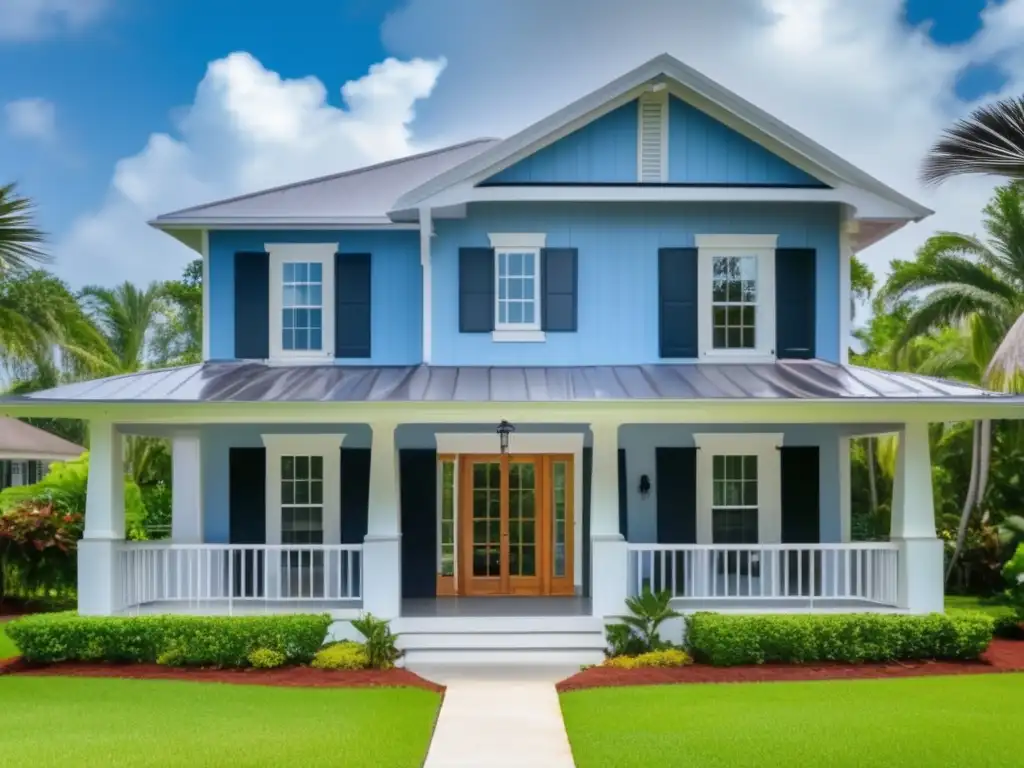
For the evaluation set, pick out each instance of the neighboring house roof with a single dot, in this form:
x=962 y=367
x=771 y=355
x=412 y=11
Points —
x=362 y=196
x=254 y=382
x=19 y=440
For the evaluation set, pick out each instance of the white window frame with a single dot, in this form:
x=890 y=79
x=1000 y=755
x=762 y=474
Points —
x=766 y=447
x=518 y=242
x=762 y=247
x=328 y=447
x=324 y=254
x=454 y=459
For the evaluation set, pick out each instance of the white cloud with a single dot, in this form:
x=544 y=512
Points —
x=36 y=19
x=247 y=129
x=31 y=119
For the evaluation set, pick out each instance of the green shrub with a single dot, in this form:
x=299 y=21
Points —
x=265 y=658
x=728 y=640
x=381 y=649
x=637 y=632
x=342 y=656
x=218 y=641
x=1013 y=572
x=667 y=657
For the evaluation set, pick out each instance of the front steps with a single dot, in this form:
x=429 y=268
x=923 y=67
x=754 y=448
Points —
x=569 y=640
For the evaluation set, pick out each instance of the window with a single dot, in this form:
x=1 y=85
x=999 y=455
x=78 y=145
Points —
x=736 y=297
x=734 y=500
x=559 y=516
x=446 y=540
x=302 y=500
x=303 y=488
x=302 y=301
x=302 y=306
x=518 y=301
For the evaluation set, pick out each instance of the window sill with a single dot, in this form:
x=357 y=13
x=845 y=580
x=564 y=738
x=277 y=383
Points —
x=321 y=359
x=527 y=336
x=722 y=356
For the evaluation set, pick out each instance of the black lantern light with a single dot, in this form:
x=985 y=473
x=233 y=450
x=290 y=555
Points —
x=645 y=486
x=504 y=430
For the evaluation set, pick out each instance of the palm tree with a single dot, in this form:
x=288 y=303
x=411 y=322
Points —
x=125 y=316
x=989 y=141
x=20 y=240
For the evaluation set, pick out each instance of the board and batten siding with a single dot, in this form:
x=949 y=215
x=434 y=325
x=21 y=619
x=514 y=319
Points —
x=617 y=273
x=396 y=299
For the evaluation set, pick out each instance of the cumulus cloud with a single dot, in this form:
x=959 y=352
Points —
x=247 y=129
x=36 y=19
x=34 y=119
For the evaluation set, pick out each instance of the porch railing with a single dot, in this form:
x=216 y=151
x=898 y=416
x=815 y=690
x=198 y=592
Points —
x=155 y=572
x=864 y=571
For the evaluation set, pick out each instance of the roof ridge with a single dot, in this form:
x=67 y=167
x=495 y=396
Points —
x=330 y=176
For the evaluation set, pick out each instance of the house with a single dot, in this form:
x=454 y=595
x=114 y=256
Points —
x=26 y=452
x=491 y=390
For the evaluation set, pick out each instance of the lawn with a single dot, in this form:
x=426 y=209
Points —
x=987 y=605
x=7 y=648
x=963 y=721
x=105 y=722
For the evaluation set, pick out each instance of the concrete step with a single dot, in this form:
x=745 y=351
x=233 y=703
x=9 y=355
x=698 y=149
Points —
x=497 y=624
x=525 y=656
x=501 y=640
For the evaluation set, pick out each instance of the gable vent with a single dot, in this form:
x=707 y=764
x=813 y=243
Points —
x=652 y=149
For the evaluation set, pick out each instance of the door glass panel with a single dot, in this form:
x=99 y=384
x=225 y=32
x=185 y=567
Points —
x=446 y=564
x=522 y=496
x=486 y=519
x=558 y=516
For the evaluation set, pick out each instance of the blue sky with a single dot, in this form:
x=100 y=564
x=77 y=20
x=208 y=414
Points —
x=114 y=73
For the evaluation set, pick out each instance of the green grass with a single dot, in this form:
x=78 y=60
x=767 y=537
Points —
x=992 y=606
x=964 y=721
x=7 y=648
x=105 y=722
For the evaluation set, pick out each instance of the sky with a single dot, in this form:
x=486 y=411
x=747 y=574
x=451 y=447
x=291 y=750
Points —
x=114 y=111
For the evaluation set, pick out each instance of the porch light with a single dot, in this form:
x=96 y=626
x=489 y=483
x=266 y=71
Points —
x=504 y=430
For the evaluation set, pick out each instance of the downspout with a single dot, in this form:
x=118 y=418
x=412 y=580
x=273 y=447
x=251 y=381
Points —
x=426 y=230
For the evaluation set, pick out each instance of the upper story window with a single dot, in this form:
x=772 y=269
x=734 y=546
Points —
x=302 y=301
x=517 y=288
x=302 y=306
x=736 y=286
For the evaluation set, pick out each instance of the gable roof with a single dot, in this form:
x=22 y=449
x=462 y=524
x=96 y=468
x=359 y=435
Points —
x=694 y=85
x=19 y=440
x=362 y=196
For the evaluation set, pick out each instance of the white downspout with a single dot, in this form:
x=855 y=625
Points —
x=426 y=230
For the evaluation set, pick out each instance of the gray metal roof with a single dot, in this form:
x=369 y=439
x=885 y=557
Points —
x=360 y=196
x=255 y=382
x=19 y=440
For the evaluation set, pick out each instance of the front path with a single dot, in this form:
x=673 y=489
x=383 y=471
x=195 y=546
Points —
x=499 y=717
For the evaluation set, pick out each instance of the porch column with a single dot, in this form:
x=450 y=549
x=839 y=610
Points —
x=608 y=560
x=104 y=522
x=186 y=489
x=920 y=582
x=382 y=551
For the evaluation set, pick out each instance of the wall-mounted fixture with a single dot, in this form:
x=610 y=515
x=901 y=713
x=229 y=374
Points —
x=504 y=430
x=645 y=486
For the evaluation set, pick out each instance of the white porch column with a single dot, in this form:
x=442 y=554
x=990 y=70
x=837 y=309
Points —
x=382 y=550
x=104 y=522
x=920 y=588
x=186 y=489
x=608 y=555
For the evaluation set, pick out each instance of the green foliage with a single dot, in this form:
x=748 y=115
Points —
x=217 y=641
x=666 y=657
x=1013 y=572
x=178 y=336
x=727 y=640
x=37 y=550
x=381 y=649
x=157 y=502
x=342 y=656
x=637 y=631
x=266 y=658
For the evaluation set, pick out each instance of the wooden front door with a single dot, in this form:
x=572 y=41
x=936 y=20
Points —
x=515 y=525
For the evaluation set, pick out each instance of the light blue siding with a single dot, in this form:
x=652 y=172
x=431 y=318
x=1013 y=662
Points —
x=396 y=301
x=618 y=272
x=603 y=151
x=702 y=150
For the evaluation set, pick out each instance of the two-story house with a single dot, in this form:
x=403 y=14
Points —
x=491 y=390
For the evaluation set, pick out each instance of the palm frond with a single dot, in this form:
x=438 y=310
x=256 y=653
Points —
x=1005 y=371
x=989 y=141
x=20 y=239
x=949 y=305
x=1004 y=223
x=936 y=267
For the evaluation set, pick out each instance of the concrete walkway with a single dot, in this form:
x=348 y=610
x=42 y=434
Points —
x=499 y=717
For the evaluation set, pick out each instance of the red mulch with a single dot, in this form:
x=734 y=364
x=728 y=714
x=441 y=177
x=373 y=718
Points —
x=289 y=677
x=1002 y=656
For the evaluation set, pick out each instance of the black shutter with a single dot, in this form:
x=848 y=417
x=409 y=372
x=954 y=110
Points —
x=559 y=282
x=623 y=496
x=588 y=467
x=247 y=516
x=252 y=306
x=794 y=303
x=355 y=494
x=677 y=302
x=31 y=472
x=352 y=311
x=676 y=486
x=476 y=290
x=418 y=493
x=5 y=474
x=801 y=522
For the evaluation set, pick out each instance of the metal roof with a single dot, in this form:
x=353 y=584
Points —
x=19 y=440
x=220 y=382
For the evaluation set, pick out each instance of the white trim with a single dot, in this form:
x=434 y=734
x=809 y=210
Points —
x=505 y=243
x=455 y=517
x=762 y=247
x=205 y=254
x=765 y=446
x=518 y=239
x=326 y=446
x=508 y=334
x=848 y=229
x=308 y=252
x=845 y=486
x=659 y=98
x=427 y=318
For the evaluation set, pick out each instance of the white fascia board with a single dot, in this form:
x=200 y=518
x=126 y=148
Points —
x=281 y=222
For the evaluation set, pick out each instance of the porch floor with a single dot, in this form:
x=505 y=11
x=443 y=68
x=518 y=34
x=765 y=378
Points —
x=790 y=605
x=496 y=606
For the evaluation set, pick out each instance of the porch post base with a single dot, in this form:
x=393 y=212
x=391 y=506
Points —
x=920 y=588
x=382 y=575
x=97 y=582
x=608 y=584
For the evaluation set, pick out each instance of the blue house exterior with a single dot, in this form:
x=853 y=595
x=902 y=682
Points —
x=516 y=379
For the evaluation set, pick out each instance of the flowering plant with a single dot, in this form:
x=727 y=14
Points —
x=38 y=543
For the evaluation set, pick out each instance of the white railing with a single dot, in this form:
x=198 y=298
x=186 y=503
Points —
x=155 y=572
x=866 y=571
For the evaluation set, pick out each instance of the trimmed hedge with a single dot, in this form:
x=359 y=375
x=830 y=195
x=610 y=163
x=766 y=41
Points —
x=215 y=641
x=342 y=656
x=725 y=640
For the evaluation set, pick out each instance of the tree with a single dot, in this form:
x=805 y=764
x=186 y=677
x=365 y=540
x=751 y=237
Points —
x=178 y=336
x=125 y=316
x=989 y=141
x=20 y=239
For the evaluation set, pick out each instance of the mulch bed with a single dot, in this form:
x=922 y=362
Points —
x=1001 y=656
x=289 y=677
